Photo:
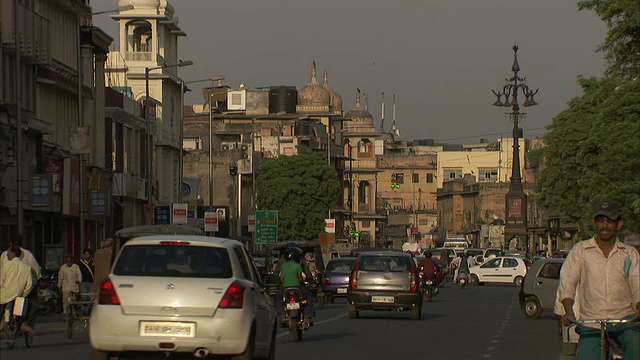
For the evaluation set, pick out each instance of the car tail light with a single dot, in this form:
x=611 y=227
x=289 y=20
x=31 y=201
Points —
x=174 y=243
x=234 y=296
x=353 y=279
x=107 y=295
x=327 y=281
x=413 y=284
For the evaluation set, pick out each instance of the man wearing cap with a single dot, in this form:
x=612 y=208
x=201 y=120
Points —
x=605 y=273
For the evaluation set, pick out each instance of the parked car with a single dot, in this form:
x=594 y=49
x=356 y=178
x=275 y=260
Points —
x=336 y=277
x=538 y=290
x=384 y=281
x=507 y=269
x=177 y=294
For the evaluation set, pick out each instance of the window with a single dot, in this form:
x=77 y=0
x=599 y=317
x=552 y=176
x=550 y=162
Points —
x=550 y=271
x=452 y=173
x=510 y=263
x=415 y=178
x=244 y=264
x=488 y=175
x=399 y=178
x=429 y=178
x=494 y=263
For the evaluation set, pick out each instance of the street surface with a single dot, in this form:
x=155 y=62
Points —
x=472 y=323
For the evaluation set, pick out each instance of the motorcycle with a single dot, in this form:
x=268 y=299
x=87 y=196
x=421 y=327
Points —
x=463 y=278
x=429 y=286
x=49 y=300
x=294 y=303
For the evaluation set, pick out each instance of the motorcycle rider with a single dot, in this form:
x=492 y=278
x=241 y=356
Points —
x=291 y=276
x=429 y=267
x=462 y=263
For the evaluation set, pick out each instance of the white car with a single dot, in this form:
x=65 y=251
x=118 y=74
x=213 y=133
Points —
x=183 y=294
x=504 y=269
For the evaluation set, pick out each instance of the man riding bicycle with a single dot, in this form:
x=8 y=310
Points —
x=15 y=281
x=606 y=274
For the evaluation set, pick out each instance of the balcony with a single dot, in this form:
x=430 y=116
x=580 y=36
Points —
x=138 y=56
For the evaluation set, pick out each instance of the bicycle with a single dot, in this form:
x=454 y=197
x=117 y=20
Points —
x=10 y=328
x=609 y=347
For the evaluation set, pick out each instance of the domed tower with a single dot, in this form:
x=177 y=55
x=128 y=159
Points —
x=336 y=100
x=359 y=118
x=313 y=98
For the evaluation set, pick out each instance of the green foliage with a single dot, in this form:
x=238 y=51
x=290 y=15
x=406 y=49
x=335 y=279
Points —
x=622 y=43
x=593 y=153
x=534 y=157
x=303 y=188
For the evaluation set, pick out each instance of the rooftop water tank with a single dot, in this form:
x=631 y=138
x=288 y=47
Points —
x=282 y=98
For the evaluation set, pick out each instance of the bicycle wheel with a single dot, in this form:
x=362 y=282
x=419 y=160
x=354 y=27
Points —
x=70 y=318
x=11 y=335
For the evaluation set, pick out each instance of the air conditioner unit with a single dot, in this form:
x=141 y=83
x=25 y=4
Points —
x=225 y=147
x=236 y=100
x=245 y=147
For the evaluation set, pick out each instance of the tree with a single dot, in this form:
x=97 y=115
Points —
x=622 y=43
x=592 y=153
x=303 y=188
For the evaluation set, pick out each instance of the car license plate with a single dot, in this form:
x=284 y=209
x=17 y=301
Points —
x=179 y=329
x=383 y=299
x=342 y=290
x=293 y=306
x=429 y=282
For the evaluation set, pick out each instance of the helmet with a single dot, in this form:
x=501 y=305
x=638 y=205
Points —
x=464 y=255
x=293 y=253
x=428 y=254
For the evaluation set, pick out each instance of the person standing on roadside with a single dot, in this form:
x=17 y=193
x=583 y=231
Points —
x=605 y=273
x=15 y=281
x=86 y=269
x=69 y=278
x=102 y=263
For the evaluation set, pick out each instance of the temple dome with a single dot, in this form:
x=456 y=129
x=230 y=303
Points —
x=336 y=100
x=358 y=115
x=314 y=97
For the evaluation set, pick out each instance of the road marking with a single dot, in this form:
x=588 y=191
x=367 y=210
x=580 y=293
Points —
x=314 y=324
x=486 y=355
x=491 y=348
x=494 y=341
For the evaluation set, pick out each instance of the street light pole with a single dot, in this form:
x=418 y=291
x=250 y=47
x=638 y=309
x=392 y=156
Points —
x=515 y=199
x=149 y=146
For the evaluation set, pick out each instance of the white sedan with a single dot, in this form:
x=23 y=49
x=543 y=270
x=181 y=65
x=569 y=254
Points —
x=504 y=269
x=183 y=294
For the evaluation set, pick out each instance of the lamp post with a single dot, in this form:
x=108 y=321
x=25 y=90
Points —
x=149 y=156
x=516 y=199
x=362 y=142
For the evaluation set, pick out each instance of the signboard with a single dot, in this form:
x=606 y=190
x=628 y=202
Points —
x=211 y=221
x=41 y=193
x=252 y=223
x=330 y=226
x=161 y=215
x=179 y=213
x=266 y=226
x=415 y=231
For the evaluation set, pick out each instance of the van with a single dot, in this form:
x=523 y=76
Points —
x=459 y=245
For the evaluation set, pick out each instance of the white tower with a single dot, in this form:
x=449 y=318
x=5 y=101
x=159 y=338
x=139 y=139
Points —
x=148 y=34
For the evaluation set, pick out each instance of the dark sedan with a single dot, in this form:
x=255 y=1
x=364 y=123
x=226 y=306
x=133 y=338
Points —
x=336 y=277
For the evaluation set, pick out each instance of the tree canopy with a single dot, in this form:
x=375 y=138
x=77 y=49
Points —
x=593 y=147
x=303 y=188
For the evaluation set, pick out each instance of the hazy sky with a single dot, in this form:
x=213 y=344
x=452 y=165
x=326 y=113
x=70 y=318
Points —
x=441 y=58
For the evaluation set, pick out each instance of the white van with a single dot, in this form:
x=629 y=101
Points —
x=458 y=244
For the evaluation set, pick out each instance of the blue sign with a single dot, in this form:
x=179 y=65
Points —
x=162 y=215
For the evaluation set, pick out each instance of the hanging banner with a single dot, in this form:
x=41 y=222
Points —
x=71 y=187
x=80 y=140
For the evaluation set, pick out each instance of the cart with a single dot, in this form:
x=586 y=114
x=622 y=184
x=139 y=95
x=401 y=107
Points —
x=80 y=305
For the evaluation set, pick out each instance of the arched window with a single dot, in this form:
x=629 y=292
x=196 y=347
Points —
x=139 y=36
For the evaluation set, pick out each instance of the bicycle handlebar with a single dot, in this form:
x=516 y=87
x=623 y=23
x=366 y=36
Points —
x=606 y=321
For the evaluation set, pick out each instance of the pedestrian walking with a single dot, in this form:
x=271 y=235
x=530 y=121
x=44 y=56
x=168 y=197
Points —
x=86 y=269
x=69 y=278
x=15 y=281
x=102 y=263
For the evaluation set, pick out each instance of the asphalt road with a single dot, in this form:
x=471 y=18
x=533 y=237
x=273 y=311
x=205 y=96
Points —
x=474 y=323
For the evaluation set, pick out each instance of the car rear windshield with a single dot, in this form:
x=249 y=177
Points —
x=385 y=263
x=174 y=261
x=340 y=267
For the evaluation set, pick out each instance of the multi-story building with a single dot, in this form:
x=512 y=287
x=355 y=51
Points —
x=53 y=180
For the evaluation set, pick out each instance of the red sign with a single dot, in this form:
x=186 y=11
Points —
x=211 y=220
x=179 y=212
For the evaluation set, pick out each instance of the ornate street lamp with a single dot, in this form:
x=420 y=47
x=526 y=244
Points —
x=516 y=199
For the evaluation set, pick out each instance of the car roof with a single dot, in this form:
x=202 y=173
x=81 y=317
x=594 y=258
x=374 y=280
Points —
x=192 y=239
x=384 y=253
x=343 y=259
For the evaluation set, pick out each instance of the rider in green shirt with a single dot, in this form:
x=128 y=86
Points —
x=291 y=275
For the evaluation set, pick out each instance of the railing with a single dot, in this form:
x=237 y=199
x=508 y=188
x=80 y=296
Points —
x=137 y=56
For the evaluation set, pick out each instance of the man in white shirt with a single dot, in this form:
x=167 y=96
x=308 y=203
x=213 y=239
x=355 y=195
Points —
x=603 y=275
x=69 y=278
x=15 y=281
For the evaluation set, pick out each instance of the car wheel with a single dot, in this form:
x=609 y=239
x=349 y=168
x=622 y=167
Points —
x=100 y=355
x=416 y=313
x=353 y=314
x=532 y=307
x=474 y=279
x=518 y=280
